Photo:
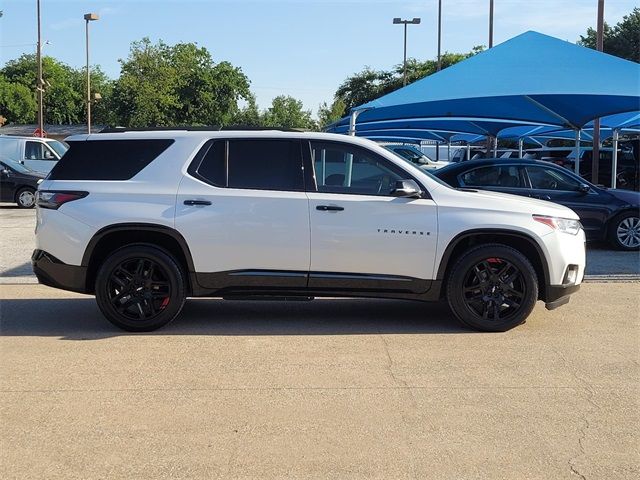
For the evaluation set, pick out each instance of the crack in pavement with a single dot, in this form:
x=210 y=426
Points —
x=587 y=387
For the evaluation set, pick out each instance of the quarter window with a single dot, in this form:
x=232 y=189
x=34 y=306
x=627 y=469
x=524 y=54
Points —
x=253 y=164
x=342 y=168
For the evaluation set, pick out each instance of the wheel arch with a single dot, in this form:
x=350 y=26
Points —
x=518 y=240
x=113 y=237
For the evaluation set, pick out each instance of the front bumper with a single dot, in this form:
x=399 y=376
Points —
x=57 y=274
x=558 y=295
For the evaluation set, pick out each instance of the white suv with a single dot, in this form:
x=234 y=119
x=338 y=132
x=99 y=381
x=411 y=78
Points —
x=144 y=219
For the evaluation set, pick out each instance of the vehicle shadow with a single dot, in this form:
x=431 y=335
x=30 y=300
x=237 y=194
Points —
x=80 y=319
x=18 y=271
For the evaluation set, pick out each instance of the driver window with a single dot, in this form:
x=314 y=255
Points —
x=341 y=168
x=33 y=151
x=48 y=154
x=551 y=179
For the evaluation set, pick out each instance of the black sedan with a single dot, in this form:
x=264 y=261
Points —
x=606 y=214
x=18 y=184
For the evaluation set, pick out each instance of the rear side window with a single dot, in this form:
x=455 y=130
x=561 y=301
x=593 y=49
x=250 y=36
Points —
x=107 y=159
x=252 y=164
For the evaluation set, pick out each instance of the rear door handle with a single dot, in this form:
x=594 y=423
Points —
x=197 y=202
x=329 y=208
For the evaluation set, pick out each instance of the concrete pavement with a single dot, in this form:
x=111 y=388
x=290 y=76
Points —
x=322 y=389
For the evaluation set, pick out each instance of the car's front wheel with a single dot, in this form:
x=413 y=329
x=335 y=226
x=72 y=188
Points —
x=492 y=288
x=140 y=288
x=624 y=233
x=26 y=197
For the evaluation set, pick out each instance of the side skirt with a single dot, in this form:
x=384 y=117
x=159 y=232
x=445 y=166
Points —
x=268 y=283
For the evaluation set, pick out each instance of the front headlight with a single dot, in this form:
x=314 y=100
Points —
x=565 y=225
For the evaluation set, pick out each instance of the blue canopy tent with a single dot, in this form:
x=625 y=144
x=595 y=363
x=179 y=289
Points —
x=438 y=129
x=530 y=78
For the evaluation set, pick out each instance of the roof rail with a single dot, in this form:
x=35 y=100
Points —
x=198 y=129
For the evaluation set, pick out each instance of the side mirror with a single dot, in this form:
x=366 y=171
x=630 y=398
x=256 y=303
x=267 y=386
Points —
x=406 y=189
x=4 y=172
x=584 y=188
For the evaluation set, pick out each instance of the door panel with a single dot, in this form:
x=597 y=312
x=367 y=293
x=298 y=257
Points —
x=244 y=229
x=375 y=235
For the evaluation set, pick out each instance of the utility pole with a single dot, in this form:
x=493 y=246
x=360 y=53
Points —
x=39 y=81
x=490 y=23
x=595 y=152
x=439 y=34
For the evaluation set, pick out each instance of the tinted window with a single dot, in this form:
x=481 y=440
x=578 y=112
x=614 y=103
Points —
x=107 y=159
x=492 y=176
x=265 y=165
x=213 y=168
x=551 y=179
x=253 y=164
x=342 y=168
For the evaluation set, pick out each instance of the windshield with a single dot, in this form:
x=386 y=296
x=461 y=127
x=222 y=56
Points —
x=59 y=147
x=18 y=167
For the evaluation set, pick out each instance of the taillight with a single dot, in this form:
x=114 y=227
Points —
x=54 y=200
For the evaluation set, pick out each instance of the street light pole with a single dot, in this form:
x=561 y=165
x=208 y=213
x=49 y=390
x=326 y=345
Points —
x=439 y=34
x=39 y=81
x=490 y=23
x=595 y=152
x=89 y=17
x=397 y=21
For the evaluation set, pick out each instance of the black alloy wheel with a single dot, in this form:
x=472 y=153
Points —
x=140 y=288
x=492 y=288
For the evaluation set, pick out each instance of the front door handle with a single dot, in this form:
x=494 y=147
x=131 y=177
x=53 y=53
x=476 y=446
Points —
x=197 y=202
x=329 y=208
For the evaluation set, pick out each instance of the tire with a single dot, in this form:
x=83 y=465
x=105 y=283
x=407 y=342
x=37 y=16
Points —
x=492 y=288
x=26 y=197
x=140 y=288
x=624 y=231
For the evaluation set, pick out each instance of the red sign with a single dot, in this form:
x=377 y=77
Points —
x=39 y=133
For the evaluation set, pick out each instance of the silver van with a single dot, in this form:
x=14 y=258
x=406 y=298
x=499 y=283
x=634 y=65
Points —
x=39 y=154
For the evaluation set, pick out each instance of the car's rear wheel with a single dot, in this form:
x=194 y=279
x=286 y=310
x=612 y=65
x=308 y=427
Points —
x=26 y=197
x=624 y=233
x=140 y=288
x=492 y=288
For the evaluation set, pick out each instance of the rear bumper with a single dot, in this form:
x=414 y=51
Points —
x=57 y=274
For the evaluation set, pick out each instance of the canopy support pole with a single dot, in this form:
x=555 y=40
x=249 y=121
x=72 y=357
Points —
x=468 y=151
x=548 y=110
x=352 y=120
x=576 y=163
x=449 y=150
x=437 y=151
x=614 y=159
x=495 y=147
x=520 y=147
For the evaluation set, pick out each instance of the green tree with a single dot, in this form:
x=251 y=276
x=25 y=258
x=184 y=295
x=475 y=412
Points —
x=162 y=85
x=622 y=40
x=249 y=115
x=287 y=112
x=370 y=84
x=17 y=102
x=65 y=89
x=328 y=114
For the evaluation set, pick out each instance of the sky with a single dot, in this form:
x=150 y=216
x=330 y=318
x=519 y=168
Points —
x=302 y=48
